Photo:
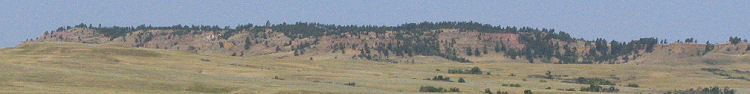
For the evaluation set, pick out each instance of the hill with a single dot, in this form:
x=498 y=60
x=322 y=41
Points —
x=411 y=58
x=457 y=41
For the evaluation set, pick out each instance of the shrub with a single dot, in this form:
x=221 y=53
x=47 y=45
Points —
x=441 y=78
x=351 y=84
x=454 y=90
x=527 y=92
x=502 y=92
x=597 y=88
x=437 y=89
x=461 y=80
x=487 y=91
x=474 y=70
x=430 y=89
x=570 y=89
x=512 y=85
x=277 y=78
x=597 y=81
x=515 y=85
x=633 y=85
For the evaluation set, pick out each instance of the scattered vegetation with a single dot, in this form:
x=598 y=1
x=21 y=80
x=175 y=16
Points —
x=633 y=85
x=502 y=92
x=205 y=60
x=437 y=89
x=441 y=78
x=473 y=70
x=570 y=89
x=277 y=78
x=706 y=90
x=350 y=84
x=596 y=81
x=547 y=75
x=512 y=85
x=597 y=88
x=488 y=91
x=727 y=74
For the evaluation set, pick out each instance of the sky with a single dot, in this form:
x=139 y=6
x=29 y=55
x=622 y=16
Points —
x=622 y=20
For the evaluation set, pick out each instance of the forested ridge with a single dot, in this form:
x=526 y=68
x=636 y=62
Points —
x=450 y=40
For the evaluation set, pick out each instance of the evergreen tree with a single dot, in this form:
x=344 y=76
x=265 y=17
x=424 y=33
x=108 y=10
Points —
x=476 y=52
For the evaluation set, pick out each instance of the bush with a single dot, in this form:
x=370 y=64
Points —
x=502 y=92
x=474 y=70
x=487 y=91
x=570 y=89
x=633 y=85
x=454 y=90
x=461 y=80
x=597 y=88
x=441 y=78
x=527 y=92
x=436 y=89
x=277 y=78
x=351 y=84
x=512 y=85
x=430 y=89
x=597 y=81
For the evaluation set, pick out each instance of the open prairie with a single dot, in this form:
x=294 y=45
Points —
x=62 y=67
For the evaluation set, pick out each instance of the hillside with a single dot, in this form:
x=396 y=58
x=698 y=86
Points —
x=456 y=41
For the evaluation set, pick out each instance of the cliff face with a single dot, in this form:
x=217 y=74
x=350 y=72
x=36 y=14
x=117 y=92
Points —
x=462 y=42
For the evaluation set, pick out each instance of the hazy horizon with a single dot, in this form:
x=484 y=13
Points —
x=713 y=21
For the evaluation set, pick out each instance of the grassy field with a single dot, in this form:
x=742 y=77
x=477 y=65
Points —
x=106 y=68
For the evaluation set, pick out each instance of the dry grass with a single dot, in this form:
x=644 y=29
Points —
x=90 y=68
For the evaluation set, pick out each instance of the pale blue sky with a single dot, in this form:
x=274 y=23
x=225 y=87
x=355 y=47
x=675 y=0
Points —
x=714 y=20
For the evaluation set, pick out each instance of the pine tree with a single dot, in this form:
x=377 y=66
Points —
x=278 y=49
x=468 y=51
x=476 y=52
x=484 y=50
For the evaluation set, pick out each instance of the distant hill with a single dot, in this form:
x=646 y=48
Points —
x=331 y=59
x=456 y=41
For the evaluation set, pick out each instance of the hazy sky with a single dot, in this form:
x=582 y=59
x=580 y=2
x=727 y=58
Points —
x=714 y=20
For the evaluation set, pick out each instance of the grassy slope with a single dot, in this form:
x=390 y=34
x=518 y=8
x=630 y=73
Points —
x=103 y=68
